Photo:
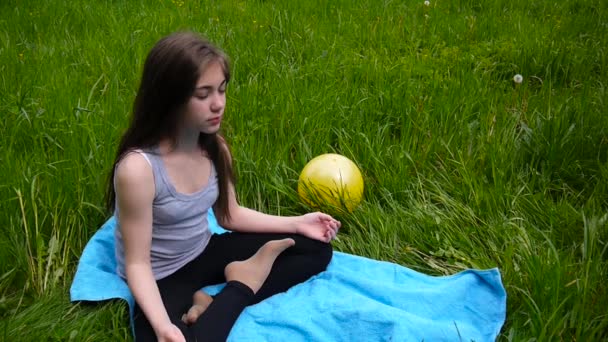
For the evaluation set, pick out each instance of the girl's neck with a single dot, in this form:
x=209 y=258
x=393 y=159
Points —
x=184 y=144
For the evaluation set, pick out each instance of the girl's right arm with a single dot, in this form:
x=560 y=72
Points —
x=134 y=185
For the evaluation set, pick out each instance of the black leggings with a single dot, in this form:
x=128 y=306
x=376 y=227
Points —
x=295 y=265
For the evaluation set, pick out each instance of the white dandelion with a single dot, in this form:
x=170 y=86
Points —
x=518 y=78
x=427 y=3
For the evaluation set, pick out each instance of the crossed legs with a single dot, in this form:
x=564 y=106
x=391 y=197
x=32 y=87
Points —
x=252 y=269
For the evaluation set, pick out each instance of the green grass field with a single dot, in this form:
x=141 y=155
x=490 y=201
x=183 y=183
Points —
x=463 y=167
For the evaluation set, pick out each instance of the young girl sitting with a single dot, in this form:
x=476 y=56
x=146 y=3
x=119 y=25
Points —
x=172 y=166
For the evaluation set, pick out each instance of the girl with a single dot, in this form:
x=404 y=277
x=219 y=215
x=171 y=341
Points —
x=171 y=167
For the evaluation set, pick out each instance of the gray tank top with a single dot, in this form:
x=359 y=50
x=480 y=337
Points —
x=180 y=231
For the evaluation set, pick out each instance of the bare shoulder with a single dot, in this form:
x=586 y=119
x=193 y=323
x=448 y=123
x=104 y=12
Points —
x=134 y=176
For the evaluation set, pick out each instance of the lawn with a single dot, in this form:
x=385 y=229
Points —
x=463 y=167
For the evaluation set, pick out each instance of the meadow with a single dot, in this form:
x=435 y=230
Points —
x=463 y=167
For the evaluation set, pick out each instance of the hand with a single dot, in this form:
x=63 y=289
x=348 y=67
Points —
x=170 y=333
x=318 y=226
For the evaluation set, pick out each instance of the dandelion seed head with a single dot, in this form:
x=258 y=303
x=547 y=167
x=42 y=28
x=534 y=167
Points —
x=518 y=78
x=427 y=3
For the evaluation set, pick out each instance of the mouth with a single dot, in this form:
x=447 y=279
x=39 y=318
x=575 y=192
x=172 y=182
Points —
x=215 y=121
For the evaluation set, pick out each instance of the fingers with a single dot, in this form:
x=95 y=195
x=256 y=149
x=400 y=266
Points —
x=329 y=235
x=323 y=216
x=332 y=226
x=335 y=224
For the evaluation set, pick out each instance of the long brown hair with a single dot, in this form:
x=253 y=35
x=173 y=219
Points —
x=169 y=78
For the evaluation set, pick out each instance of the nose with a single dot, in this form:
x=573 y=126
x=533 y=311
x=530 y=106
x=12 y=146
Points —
x=218 y=101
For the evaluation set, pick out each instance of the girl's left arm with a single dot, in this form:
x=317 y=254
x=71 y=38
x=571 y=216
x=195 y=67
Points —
x=318 y=226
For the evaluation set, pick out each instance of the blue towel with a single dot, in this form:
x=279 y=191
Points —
x=356 y=299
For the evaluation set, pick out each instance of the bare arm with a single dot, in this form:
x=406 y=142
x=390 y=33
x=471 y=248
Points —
x=318 y=226
x=135 y=193
x=243 y=219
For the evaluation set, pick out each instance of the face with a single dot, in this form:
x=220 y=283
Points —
x=205 y=109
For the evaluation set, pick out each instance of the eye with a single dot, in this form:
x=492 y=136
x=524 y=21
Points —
x=222 y=90
x=201 y=96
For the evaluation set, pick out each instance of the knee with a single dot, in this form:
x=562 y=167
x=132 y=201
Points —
x=320 y=254
x=326 y=252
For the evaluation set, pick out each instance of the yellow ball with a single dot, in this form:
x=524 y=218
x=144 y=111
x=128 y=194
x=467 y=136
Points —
x=331 y=179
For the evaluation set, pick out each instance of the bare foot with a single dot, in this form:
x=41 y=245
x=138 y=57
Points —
x=254 y=271
x=201 y=301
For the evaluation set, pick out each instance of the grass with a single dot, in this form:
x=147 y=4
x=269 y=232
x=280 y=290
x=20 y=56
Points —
x=463 y=168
